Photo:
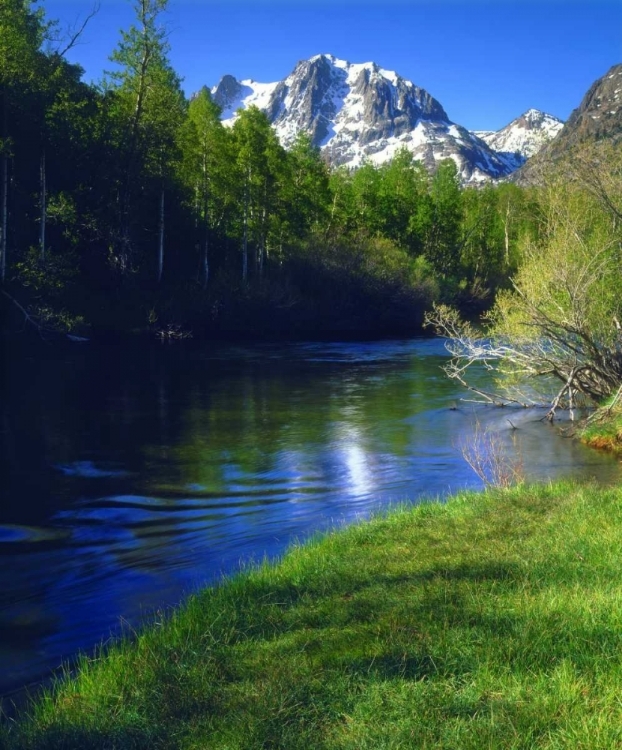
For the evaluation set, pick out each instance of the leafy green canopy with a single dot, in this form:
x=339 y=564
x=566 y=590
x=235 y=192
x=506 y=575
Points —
x=561 y=319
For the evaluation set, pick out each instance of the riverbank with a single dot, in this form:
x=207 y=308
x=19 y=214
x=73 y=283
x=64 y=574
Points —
x=491 y=621
x=604 y=428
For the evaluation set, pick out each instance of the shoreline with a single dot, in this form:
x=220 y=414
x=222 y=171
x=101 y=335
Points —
x=489 y=618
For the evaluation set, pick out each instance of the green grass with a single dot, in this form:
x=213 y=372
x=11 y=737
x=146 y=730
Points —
x=494 y=621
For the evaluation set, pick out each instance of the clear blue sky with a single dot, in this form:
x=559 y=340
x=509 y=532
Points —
x=486 y=61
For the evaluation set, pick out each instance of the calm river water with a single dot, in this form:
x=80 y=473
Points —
x=132 y=477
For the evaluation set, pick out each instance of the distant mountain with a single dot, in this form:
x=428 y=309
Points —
x=361 y=111
x=523 y=137
x=598 y=117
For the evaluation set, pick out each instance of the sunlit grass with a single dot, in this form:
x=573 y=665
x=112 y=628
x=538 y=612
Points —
x=494 y=621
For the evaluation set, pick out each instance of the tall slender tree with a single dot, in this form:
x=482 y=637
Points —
x=261 y=162
x=207 y=151
x=149 y=106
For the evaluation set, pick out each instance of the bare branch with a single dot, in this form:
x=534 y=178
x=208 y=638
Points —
x=76 y=34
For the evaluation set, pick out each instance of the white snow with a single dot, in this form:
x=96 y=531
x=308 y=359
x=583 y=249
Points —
x=253 y=93
x=390 y=75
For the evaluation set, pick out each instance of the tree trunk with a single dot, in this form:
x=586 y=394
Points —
x=506 y=232
x=43 y=216
x=245 y=240
x=206 y=257
x=205 y=223
x=205 y=244
x=126 y=195
x=262 y=242
x=3 y=214
x=161 y=237
x=4 y=188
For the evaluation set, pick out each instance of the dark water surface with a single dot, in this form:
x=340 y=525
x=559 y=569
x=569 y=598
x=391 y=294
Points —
x=132 y=476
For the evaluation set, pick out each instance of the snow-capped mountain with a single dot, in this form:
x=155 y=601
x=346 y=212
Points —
x=523 y=137
x=362 y=111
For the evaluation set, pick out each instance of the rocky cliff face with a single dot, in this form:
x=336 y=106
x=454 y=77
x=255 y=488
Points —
x=600 y=113
x=598 y=117
x=355 y=112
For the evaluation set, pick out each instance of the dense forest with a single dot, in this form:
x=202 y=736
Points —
x=124 y=206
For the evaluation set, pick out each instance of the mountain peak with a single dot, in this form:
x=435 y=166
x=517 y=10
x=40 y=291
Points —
x=523 y=137
x=337 y=62
x=361 y=111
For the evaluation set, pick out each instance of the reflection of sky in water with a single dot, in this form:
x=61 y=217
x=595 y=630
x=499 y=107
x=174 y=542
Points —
x=192 y=464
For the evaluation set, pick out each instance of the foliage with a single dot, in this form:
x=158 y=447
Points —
x=561 y=319
x=49 y=278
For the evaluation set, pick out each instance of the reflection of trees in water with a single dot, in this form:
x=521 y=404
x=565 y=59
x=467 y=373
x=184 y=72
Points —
x=261 y=414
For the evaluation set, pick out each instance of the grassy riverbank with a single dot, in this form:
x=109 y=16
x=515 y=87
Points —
x=604 y=429
x=492 y=621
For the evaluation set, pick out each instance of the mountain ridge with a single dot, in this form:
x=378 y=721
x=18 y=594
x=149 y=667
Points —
x=361 y=111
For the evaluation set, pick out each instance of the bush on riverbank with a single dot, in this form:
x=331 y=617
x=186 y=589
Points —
x=492 y=621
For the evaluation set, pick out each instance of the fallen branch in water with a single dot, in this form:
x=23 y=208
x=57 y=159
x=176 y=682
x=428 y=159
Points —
x=173 y=333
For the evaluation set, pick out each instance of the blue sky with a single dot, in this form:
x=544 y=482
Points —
x=486 y=61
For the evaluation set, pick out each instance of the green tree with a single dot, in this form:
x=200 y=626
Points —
x=22 y=32
x=261 y=163
x=305 y=189
x=149 y=107
x=482 y=256
x=438 y=220
x=207 y=157
x=403 y=183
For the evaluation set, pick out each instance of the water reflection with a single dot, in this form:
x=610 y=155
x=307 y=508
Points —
x=132 y=477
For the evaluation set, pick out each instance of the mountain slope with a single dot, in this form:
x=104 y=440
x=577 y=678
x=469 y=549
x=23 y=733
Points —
x=598 y=117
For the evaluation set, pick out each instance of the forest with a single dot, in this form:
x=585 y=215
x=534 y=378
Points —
x=127 y=208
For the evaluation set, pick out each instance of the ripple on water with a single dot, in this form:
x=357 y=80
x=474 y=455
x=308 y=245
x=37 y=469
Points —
x=88 y=470
x=14 y=534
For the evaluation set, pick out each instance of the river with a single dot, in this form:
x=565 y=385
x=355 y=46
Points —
x=132 y=476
